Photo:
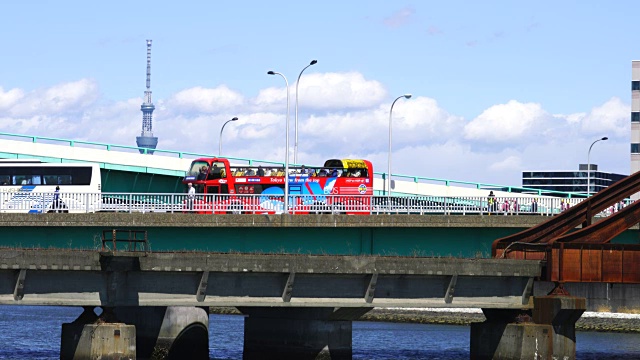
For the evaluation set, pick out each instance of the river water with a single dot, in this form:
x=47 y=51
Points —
x=30 y=332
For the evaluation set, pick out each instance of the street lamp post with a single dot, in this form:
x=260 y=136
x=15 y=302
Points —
x=295 y=144
x=589 y=165
x=220 y=140
x=286 y=151
x=406 y=96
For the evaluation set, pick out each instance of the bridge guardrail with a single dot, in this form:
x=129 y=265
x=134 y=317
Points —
x=31 y=202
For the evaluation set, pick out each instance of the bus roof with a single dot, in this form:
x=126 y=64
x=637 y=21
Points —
x=19 y=161
x=45 y=164
x=346 y=163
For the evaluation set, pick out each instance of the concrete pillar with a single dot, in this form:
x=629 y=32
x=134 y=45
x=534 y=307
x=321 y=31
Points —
x=172 y=332
x=91 y=338
x=561 y=313
x=546 y=332
x=298 y=333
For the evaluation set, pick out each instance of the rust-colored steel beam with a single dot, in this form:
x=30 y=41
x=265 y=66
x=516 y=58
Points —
x=602 y=262
x=581 y=213
x=606 y=229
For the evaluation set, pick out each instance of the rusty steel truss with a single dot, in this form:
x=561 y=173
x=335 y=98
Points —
x=585 y=255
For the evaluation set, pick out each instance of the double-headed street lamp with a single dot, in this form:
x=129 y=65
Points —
x=286 y=151
x=220 y=141
x=295 y=144
x=406 y=96
x=589 y=165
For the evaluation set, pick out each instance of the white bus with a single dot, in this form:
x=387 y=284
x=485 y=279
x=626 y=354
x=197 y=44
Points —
x=29 y=186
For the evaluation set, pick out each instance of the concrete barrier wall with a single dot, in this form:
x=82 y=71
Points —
x=82 y=153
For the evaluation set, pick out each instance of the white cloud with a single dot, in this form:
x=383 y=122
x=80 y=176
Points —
x=328 y=91
x=72 y=97
x=9 y=98
x=421 y=119
x=416 y=122
x=510 y=163
x=506 y=122
x=401 y=17
x=610 y=118
x=203 y=100
x=272 y=97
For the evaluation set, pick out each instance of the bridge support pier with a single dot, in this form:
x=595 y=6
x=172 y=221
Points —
x=173 y=332
x=298 y=333
x=90 y=337
x=547 y=331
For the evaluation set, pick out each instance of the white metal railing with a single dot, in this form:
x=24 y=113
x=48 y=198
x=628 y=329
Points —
x=32 y=202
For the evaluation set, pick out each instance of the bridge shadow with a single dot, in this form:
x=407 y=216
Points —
x=188 y=344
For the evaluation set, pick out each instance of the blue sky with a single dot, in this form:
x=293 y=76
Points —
x=498 y=87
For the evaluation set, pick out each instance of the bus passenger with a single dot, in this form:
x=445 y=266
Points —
x=202 y=175
x=215 y=172
x=305 y=171
x=260 y=171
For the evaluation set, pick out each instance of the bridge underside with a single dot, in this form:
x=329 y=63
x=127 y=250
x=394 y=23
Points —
x=85 y=278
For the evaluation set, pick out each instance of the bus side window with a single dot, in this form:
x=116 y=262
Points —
x=21 y=180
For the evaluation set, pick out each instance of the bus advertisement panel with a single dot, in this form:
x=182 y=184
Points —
x=345 y=185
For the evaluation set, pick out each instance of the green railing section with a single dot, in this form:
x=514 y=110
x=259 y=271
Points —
x=251 y=162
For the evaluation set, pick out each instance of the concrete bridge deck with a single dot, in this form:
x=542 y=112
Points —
x=90 y=278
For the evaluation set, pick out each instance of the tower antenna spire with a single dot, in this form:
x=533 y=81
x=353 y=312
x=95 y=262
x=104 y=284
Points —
x=149 y=68
x=146 y=140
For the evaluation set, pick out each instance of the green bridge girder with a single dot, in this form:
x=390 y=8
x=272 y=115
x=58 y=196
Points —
x=468 y=236
x=140 y=182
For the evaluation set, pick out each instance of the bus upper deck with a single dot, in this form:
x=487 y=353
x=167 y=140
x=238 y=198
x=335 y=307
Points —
x=353 y=179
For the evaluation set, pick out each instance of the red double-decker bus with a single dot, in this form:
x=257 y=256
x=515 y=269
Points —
x=340 y=185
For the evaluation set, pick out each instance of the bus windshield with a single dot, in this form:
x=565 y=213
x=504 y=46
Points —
x=200 y=170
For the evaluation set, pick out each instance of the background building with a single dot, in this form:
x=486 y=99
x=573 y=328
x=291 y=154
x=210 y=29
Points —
x=635 y=119
x=635 y=116
x=568 y=180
